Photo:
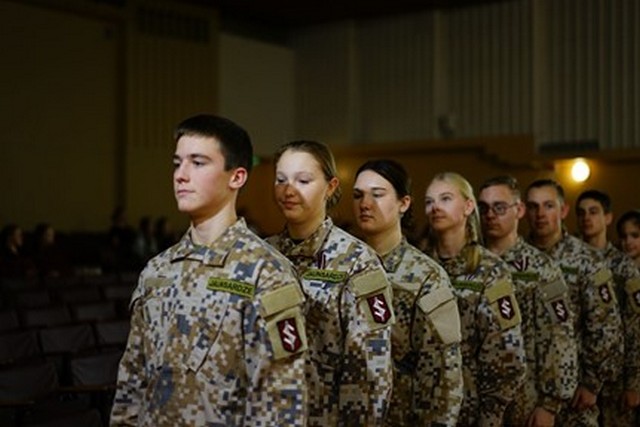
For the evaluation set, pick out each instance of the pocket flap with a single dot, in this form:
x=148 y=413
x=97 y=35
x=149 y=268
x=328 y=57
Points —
x=370 y=282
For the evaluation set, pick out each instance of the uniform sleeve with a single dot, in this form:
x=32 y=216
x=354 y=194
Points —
x=602 y=334
x=366 y=373
x=556 y=349
x=501 y=359
x=275 y=346
x=131 y=381
x=438 y=377
x=631 y=319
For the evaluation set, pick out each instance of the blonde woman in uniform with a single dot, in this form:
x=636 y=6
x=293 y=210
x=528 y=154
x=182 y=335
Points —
x=493 y=356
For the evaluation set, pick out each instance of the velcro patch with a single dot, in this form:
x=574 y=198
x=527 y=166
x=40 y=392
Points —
x=368 y=283
x=286 y=333
x=602 y=276
x=499 y=289
x=157 y=282
x=632 y=287
x=331 y=276
x=552 y=290
x=280 y=299
x=435 y=299
x=232 y=286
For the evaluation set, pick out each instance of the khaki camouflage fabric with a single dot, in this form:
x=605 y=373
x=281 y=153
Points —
x=427 y=382
x=597 y=323
x=493 y=356
x=627 y=278
x=547 y=327
x=349 y=317
x=217 y=338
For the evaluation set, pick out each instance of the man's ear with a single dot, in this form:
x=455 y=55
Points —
x=608 y=218
x=405 y=203
x=238 y=178
x=521 y=209
x=564 y=210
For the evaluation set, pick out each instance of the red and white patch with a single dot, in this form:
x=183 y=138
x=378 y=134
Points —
x=506 y=308
x=560 y=309
x=605 y=295
x=289 y=336
x=379 y=308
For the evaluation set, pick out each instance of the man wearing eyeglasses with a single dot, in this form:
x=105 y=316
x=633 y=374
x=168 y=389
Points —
x=618 y=399
x=547 y=323
x=597 y=322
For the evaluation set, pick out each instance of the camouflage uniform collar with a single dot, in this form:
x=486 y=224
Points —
x=391 y=261
x=214 y=254
x=310 y=246
x=456 y=265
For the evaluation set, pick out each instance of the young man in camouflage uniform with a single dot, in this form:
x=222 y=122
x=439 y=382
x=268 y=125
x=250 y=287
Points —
x=217 y=334
x=543 y=297
x=593 y=302
x=618 y=399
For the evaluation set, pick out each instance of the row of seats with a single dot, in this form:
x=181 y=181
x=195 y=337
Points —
x=61 y=340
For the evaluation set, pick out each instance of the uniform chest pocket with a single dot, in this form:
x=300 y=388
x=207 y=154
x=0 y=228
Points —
x=199 y=323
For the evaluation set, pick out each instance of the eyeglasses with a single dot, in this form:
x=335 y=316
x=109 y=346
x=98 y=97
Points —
x=498 y=208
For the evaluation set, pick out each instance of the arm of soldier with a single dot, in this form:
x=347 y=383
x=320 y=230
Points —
x=501 y=359
x=556 y=348
x=632 y=337
x=131 y=381
x=602 y=334
x=367 y=371
x=439 y=366
x=275 y=346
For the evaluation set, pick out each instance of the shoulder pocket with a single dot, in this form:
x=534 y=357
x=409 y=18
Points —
x=373 y=294
x=555 y=295
x=503 y=303
x=441 y=308
x=281 y=309
x=632 y=287
x=603 y=281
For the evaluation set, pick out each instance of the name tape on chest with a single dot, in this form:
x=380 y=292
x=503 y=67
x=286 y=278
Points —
x=331 y=276
x=525 y=276
x=468 y=284
x=235 y=287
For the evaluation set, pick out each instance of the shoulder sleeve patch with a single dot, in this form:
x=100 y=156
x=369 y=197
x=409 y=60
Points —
x=602 y=276
x=499 y=289
x=435 y=299
x=503 y=303
x=287 y=333
x=280 y=299
x=370 y=282
x=632 y=287
x=552 y=290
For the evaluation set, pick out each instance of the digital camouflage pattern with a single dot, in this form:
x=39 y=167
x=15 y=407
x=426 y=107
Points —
x=349 y=317
x=427 y=382
x=627 y=279
x=547 y=328
x=217 y=338
x=493 y=356
x=597 y=323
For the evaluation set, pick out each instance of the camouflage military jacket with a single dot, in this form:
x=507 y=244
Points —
x=493 y=356
x=547 y=327
x=217 y=338
x=597 y=323
x=427 y=383
x=627 y=277
x=349 y=318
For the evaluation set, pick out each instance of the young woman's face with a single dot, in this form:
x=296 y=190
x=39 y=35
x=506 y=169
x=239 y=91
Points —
x=445 y=207
x=301 y=189
x=376 y=206
x=630 y=239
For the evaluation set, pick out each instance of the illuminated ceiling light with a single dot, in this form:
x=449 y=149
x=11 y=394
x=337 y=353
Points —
x=580 y=170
